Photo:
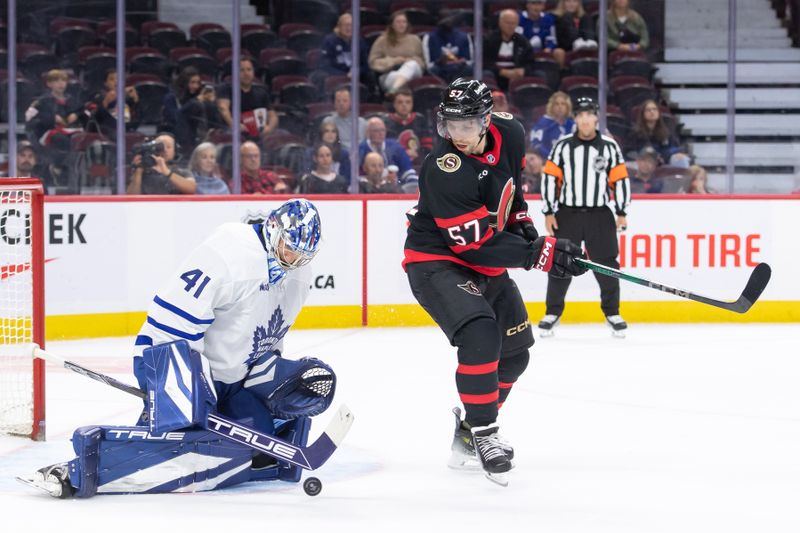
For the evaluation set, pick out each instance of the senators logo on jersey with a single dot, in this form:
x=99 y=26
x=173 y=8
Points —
x=449 y=162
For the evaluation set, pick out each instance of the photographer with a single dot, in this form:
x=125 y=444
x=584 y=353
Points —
x=153 y=173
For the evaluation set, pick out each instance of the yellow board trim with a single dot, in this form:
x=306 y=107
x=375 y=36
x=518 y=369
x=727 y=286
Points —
x=633 y=312
x=63 y=327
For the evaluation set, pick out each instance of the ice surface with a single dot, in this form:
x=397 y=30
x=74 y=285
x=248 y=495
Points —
x=674 y=429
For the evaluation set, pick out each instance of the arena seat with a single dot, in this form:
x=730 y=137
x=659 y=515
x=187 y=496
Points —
x=529 y=92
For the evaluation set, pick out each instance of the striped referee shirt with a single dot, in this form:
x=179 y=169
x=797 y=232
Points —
x=581 y=173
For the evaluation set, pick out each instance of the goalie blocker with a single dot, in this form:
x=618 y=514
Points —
x=176 y=451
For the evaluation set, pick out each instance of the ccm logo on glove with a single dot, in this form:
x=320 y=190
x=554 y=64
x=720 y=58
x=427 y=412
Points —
x=545 y=262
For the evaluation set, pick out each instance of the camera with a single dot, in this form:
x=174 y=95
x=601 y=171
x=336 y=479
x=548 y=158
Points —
x=148 y=151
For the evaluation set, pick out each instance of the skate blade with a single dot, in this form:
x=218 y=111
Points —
x=500 y=479
x=466 y=465
x=545 y=333
x=53 y=489
x=618 y=334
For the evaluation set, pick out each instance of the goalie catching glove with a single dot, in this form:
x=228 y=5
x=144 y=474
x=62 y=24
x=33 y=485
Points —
x=292 y=388
x=556 y=256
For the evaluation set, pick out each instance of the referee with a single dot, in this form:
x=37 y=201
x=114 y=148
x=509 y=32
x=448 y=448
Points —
x=581 y=170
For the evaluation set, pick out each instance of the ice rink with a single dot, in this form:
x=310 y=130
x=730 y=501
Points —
x=675 y=429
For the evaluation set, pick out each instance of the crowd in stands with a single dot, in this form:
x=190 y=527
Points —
x=538 y=57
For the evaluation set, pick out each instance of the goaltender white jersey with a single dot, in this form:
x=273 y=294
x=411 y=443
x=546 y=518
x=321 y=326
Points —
x=220 y=301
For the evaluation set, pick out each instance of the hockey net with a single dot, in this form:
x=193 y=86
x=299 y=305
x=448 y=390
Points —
x=21 y=307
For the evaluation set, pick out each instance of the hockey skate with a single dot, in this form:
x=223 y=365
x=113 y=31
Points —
x=53 y=479
x=547 y=325
x=463 y=456
x=488 y=448
x=618 y=326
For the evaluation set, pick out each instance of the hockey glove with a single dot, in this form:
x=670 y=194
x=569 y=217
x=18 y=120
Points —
x=556 y=257
x=520 y=223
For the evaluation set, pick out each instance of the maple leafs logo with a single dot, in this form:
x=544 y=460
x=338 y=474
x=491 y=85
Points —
x=265 y=339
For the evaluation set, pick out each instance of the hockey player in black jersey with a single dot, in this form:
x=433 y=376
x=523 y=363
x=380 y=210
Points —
x=470 y=224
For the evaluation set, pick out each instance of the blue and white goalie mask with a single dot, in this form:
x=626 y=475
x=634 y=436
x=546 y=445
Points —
x=293 y=232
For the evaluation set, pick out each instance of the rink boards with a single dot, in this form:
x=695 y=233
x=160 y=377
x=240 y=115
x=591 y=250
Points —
x=107 y=257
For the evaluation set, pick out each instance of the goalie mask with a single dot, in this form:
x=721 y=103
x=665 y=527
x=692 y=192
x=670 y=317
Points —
x=293 y=232
x=462 y=111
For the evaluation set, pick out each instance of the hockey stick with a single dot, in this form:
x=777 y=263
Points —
x=755 y=286
x=308 y=457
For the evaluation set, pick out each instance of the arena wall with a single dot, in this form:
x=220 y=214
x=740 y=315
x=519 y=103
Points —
x=107 y=256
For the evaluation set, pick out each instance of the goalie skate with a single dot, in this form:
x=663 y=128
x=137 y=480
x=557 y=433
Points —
x=53 y=479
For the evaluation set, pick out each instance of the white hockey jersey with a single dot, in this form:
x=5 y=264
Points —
x=220 y=300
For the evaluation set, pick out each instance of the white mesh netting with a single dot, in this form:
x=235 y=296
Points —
x=16 y=305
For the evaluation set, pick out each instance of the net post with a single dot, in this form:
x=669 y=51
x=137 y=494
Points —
x=37 y=271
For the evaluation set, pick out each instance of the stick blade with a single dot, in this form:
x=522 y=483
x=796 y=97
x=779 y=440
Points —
x=756 y=284
x=340 y=425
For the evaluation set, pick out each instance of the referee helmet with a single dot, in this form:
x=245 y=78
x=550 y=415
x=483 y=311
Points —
x=584 y=103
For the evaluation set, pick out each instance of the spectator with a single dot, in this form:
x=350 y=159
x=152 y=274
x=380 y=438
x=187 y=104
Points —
x=323 y=179
x=27 y=165
x=507 y=53
x=539 y=28
x=341 y=117
x=397 y=54
x=556 y=123
x=103 y=107
x=532 y=173
x=405 y=118
x=337 y=57
x=53 y=118
x=627 y=30
x=376 y=178
x=190 y=109
x=392 y=152
x=410 y=143
x=448 y=51
x=203 y=165
x=256 y=180
x=163 y=176
x=328 y=134
x=644 y=180
x=575 y=29
x=698 y=181
x=26 y=160
x=257 y=117
x=650 y=129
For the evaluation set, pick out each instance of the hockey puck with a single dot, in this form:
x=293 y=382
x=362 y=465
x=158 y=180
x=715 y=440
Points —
x=312 y=486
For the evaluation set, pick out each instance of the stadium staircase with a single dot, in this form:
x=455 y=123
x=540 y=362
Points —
x=694 y=77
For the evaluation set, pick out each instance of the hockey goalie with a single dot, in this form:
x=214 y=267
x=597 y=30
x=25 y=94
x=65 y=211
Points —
x=211 y=344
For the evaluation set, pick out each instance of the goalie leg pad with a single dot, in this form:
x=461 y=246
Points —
x=131 y=459
x=293 y=388
x=179 y=390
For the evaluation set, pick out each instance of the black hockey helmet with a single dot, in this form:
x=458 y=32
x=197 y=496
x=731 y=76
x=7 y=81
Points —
x=466 y=98
x=584 y=103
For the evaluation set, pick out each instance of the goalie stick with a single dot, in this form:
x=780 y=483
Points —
x=755 y=286
x=308 y=457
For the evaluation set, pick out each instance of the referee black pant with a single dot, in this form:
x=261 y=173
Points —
x=596 y=227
